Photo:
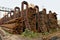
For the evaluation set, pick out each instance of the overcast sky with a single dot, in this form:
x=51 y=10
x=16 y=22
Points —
x=53 y=5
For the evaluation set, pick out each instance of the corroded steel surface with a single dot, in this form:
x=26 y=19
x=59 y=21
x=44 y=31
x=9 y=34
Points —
x=30 y=18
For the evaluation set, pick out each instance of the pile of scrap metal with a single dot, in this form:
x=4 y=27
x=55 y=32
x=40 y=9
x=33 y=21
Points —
x=30 y=18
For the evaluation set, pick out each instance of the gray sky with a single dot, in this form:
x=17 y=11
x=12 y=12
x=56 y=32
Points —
x=48 y=4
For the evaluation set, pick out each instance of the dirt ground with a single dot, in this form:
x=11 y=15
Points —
x=6 y=36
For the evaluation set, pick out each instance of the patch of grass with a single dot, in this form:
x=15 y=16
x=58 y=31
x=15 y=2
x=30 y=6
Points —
x=46 y=33
x=52 y=30
x=28 y=33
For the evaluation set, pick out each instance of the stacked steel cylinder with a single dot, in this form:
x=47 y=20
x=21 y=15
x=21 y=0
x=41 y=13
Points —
x=30 y=18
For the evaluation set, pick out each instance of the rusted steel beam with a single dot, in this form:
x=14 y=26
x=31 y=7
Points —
x=17 y=12
x=30 y=18
x=42 y=21
x=16 y=25
x=12 y=14
x=24 y=15
x=45 y=19
x=37 y=19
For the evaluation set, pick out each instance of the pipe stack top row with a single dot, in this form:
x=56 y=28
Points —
x=34 y=20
